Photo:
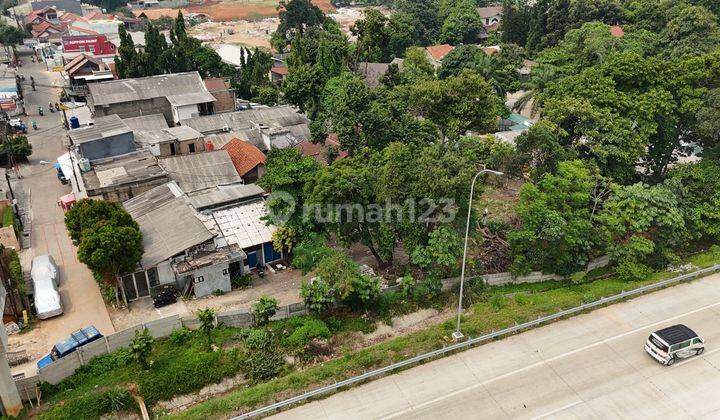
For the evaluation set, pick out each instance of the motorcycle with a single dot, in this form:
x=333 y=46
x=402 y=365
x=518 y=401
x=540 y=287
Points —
x=33 y=84
x=57 y=106
x=34 y=124
x=40 y=111
x=51 y=107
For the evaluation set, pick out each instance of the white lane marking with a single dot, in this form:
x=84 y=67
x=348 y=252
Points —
x=691 y=358
x=542 y=362
x=557 y=410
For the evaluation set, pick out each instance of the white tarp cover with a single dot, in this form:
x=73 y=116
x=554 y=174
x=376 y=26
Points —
x=44 y=274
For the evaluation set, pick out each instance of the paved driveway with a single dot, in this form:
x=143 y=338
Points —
x=79 y=292
x=590 y=366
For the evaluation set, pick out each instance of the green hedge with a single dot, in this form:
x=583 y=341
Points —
x=91 y=406
x=8 y=216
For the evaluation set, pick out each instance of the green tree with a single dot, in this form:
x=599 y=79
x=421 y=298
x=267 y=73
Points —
x=11 y=35
x=541 y=150
x=341 y=196
x=155 y=46
x=254 y=75
x=128 y=62
x=295 y=17
x=515 y=23
x=462 y=25
x=110 y=249
x=141 y=347
x=456 y=104
x=442 y=253
x=557 y=232
x=416 y=66
x=641 y=225
x=207 y=323
x=264 y=309
x=87 y=214
x=694 y=30
x=697 y=188
x=343 y=276
x=17 y=147
x=425 y=17
x=317 y=295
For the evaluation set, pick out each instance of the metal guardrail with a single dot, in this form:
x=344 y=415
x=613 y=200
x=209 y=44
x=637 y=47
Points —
x=468 y=343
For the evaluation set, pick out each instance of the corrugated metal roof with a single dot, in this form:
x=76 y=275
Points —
x=128 y=90
x=169 y=226
x=103 y=127
x=190 y=98
x=132 y=167
x=224 y=195
x=199 y=171
x=146 y=122
x=273 y=117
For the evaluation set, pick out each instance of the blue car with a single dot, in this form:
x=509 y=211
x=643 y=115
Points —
x=77 y=339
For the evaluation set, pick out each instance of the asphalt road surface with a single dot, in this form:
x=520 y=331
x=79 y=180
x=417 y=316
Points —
x=589 y=366
x=80 y=294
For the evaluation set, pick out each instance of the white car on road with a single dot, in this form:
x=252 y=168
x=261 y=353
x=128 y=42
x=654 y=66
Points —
x=46 y=279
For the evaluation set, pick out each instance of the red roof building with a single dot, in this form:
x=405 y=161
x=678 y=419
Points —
x=437 y=52
x=318 y=151
x=617 y=31
x=92 y=43
x=248 y=160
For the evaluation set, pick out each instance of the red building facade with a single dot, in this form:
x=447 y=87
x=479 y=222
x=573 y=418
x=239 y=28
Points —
x=90 y=44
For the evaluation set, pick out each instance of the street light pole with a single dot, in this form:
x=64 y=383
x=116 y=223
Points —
x=457 y=335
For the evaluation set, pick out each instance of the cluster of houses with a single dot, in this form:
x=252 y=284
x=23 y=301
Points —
x=175 y=153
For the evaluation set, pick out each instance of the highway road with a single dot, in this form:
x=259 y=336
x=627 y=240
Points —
x=589 y=366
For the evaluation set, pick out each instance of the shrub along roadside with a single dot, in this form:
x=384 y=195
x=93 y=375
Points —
x=483 y=318
x=92 y=406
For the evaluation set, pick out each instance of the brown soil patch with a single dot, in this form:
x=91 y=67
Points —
x=254 y=10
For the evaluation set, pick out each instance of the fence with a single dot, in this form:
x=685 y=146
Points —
x=477 y=340
x=63 y=368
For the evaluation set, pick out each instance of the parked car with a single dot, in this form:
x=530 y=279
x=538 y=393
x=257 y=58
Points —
x=672 y=343
x=17 y=126
x=76 y=340
x=46 y=279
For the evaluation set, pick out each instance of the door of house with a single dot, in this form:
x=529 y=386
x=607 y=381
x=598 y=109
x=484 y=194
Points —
x=141 y=284
x=252 y=259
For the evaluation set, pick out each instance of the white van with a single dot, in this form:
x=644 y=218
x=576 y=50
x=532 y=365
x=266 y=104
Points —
x=46 y=279
x=672 y=343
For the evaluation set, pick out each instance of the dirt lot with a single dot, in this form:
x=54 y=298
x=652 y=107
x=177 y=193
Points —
x=232 y=10
x=255 y=31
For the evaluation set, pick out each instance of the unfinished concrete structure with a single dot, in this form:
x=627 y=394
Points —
x=177 y=96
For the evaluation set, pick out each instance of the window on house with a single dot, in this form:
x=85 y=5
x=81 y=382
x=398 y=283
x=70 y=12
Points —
x=172 y=149
x=199 y=279
x=225 y=272
x=191 y=147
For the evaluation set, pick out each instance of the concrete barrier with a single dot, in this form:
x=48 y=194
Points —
x=60 y=369
x=164 y=326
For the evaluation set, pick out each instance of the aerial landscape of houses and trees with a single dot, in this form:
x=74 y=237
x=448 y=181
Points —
x=214 y=207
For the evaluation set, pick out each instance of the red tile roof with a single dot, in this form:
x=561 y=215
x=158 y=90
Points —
x=244 y=155
x=318 y=151
x=617 y=31
x=279 y=70
x=439 y=51
x=213 y=84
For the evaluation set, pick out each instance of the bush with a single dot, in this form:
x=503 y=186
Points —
x=307 y=254
x=141 y=347
x=189 y=372
x=258 y=339
x=427 y=290
x=317 y=295
x=241 y=281
x=630 y=270
x=498 y=301
x=180 y=335
x=264 y=309
x=218 y=292
x=407 y=284
x=261 y=366
x=93 y=405
x=96 y=367
x=311 y=328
